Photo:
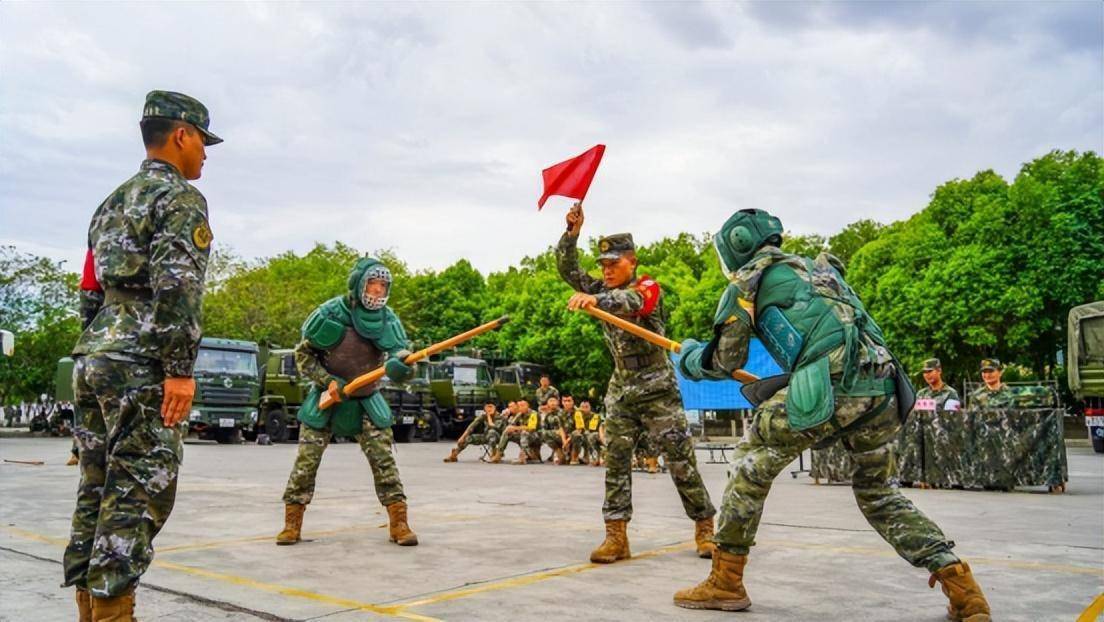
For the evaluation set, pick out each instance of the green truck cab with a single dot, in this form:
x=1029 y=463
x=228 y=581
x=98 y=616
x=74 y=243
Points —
x=228 y=388
x=1085 y=366
x=518 y=381
x=281 y=396
x=460 y=385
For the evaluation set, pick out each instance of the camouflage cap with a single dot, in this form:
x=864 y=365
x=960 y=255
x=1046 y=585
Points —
x=614 y=246
x=987 y=364
x=932 y=364
x=180 y=107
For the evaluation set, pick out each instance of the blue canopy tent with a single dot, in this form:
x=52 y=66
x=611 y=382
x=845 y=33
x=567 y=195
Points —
x=725 y=394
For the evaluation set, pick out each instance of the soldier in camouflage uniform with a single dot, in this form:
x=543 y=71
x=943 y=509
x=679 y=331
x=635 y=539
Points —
x=642 y=394
x=141 y=296
x=483 y=430
x=911 y=447
x=517 y=428
x=546 y=390
x=840 y=381
x=553 y=431
x=345 y=337
x=594 y=434
x=994 y=393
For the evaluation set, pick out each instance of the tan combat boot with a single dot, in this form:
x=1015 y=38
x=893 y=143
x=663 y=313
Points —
x=574 y=455
x=652 y=464
x=703 y=537
x=967 y=604
x=73 y=460
x=496 y=457
x=293 y=524
x=615 y=546
x=400 y=531
x=723 y=589
x=557 y=456
x=115 y=609
x=453 y=456
x=523 y=457
x=84 y=605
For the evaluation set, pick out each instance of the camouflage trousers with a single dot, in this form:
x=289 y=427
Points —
x=521 y=437
x=129 y=463
x=374 y=442
x=771 y=444
x=587 y=444
x=663 y=419
x=488 y=439
x=539 y=438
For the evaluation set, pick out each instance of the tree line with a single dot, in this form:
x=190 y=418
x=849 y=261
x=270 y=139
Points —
x=987 y=268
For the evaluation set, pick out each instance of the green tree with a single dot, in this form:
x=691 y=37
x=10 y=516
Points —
x=854 y=236
x=267 y=300
x=990 y=268
x=38 y=303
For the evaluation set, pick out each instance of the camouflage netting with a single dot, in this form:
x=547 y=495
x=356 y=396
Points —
x=974 y=449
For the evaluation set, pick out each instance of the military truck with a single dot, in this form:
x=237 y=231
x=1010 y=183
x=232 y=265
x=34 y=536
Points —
x=460 y=386
x=518 y=381
x=414 y=407
x=1085 y=366
x=228 y=385
x=282 y=394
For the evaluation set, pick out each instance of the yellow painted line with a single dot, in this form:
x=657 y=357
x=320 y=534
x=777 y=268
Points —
x=37 y=537
x=536 y=577
x=889 y=552
x=1093 y=611
x=394 y=610
x=214 y=544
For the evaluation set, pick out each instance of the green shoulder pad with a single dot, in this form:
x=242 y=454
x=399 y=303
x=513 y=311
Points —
x=729 y=308
x=393 y=336
x=324 y=327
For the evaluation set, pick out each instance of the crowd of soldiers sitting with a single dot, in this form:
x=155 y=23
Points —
x=574 y=432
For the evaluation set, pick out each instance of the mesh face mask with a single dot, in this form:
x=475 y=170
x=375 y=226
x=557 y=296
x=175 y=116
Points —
x=375 y=273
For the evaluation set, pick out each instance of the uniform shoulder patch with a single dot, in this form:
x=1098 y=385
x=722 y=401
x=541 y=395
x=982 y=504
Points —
x=202 y=236
x=648 y=288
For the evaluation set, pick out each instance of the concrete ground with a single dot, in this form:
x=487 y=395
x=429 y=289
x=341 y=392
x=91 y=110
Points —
x=511 y=542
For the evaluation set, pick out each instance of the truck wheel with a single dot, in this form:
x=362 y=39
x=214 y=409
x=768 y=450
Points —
x=404 y=433
x=276 y=426
x=428 y=427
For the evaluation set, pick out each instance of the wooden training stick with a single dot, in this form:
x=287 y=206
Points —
x=656 y=339
x=325 y=401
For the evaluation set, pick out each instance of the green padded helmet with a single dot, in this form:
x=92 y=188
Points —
x=742 y=234
x=367 y=269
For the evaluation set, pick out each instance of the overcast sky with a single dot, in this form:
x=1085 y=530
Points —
x=424 y=127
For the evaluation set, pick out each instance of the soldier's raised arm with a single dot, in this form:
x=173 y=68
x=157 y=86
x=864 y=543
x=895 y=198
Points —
x=567 y=255
x=179 y=250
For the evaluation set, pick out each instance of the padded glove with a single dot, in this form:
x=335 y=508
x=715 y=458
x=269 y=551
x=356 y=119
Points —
x=396 y=369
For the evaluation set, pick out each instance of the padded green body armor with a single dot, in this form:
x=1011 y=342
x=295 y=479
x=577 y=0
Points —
x=324 y=329
x=799 y=327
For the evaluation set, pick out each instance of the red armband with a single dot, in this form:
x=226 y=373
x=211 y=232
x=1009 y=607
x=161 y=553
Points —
x=88 y=281
x=648 y=288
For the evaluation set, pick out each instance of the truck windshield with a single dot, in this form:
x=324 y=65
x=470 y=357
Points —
x=467 y=375
x=226 y=362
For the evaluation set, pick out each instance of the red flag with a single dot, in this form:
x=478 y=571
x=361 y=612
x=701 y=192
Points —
x=88 y=276
x=571 y=178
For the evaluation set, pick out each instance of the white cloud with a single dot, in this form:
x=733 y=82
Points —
x=423 y=127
